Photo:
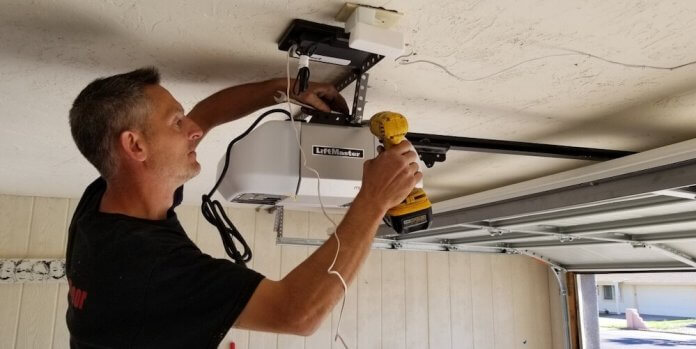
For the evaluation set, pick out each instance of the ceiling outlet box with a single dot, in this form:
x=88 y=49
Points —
x=370 y=30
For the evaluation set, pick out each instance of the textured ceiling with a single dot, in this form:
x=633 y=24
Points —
x=582 y=73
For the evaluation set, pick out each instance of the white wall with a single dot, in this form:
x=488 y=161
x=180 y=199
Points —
x=666 y=300
x=612 y=305
x=399 y=299
x=628 y=297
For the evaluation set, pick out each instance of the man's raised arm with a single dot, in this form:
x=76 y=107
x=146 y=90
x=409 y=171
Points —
x=238 y=101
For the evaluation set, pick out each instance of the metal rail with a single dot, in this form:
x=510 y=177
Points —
x=435 y=146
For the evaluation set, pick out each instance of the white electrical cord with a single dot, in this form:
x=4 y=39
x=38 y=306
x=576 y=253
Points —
x=321 y=203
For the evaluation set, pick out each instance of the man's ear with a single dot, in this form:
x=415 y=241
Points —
x=133 y=145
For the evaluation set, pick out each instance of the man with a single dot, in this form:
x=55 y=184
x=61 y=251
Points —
x=136 y=280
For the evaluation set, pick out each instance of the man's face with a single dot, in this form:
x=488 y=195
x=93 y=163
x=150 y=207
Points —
x=171 y=137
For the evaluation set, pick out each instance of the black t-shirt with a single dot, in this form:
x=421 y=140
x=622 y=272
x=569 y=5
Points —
x=137 y=283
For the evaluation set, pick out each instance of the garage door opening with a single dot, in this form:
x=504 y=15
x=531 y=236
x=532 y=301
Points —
x=637 y=310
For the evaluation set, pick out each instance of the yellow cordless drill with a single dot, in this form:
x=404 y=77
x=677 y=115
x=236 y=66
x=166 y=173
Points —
x=415 y=212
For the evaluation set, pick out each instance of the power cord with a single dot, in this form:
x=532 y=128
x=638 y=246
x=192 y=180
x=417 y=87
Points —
x=302 y=80
x=215 y=214
x=330 y=270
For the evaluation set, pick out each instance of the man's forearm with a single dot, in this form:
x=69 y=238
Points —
x=235 y=102
x=356 y=233
x=302 y=299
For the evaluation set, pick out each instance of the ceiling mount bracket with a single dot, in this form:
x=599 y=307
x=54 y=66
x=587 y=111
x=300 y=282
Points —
x=329 y=44
x=359 y=98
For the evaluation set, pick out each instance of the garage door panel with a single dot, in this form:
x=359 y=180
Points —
x=609 y=254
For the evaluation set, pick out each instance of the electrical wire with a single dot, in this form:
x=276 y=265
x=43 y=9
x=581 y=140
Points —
x=330 y=270
x=404 y=60
x=302 y=81
x=214 y=213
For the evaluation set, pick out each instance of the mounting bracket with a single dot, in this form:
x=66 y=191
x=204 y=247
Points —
x=329 y=44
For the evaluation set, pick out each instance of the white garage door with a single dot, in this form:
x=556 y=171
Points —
x=667 y=300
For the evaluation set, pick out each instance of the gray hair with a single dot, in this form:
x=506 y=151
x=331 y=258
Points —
x=104 y=109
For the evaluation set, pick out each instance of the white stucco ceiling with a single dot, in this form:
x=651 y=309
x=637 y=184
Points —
x=564 y=72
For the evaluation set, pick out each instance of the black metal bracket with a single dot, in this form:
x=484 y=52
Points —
x=359 y=98
x=429 y=152
x=321 y=117
x=360 y=76
x=326 y=43
x=356 y=115
x=329 y=44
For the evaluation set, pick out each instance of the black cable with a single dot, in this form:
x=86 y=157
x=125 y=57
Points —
x=302 y=80
x=215 y=214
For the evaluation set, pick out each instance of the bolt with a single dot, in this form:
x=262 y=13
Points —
x=565 y=238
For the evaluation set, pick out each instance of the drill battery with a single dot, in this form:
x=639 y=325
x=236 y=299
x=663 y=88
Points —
x=413 y=214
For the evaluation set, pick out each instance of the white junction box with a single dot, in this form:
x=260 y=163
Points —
x=371 y=30
x=265 y=167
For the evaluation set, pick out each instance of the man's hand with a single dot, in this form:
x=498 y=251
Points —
x=390 y=177
x=323 y=97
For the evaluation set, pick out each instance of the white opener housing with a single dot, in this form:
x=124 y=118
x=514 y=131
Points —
x=265 y=167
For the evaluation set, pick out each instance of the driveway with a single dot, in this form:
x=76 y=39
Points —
x=630 y=339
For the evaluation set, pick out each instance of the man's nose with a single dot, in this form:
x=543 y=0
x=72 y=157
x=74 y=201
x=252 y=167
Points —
x=194 y=131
